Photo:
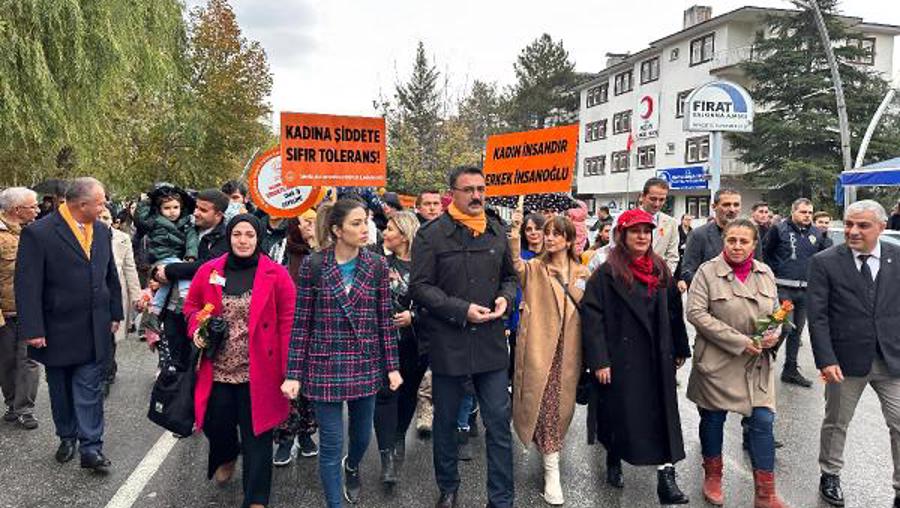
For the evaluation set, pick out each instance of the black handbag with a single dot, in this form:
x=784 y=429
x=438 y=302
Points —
x=172 y=398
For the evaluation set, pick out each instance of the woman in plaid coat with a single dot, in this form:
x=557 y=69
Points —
x=343 y=346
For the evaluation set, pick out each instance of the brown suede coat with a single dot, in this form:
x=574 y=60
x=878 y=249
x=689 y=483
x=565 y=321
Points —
x=547 y=316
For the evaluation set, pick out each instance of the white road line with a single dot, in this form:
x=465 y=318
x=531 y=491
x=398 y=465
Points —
x=129 y=492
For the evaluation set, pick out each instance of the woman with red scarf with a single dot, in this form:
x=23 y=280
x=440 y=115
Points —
x=634 y=339
x=732 y=371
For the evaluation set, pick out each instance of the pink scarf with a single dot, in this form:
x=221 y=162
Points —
x=741 y=270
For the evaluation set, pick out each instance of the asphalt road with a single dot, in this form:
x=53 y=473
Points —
x=151 y=469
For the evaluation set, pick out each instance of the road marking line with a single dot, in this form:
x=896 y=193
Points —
x=129 y=492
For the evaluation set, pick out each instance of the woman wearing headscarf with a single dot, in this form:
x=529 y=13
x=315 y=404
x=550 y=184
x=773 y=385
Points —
x=294 y=436
x=732 y=371
x=343 y=348
x=238 y=389
x=548 y=355
x=634 y=339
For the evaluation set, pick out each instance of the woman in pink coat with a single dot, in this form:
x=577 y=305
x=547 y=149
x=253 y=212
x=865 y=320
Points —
x=240 y=386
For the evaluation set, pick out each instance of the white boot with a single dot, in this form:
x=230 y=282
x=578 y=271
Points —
x=552 y=489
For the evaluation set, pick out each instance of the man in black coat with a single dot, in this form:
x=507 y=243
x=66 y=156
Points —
x=855 y=330
x=787 y=249
x=464 y=281
x=68 y=299
x=705 y=242
x=209 y=215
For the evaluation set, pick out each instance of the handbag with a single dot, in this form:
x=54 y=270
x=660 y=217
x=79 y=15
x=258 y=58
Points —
x=172 y=398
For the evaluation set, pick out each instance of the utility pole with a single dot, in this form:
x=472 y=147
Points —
x=843 y=124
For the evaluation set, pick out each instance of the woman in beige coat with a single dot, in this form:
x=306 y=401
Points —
x=548 y=352
x=732 y=372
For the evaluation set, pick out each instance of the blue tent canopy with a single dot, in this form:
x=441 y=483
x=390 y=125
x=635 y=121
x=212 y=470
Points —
x=880 y=173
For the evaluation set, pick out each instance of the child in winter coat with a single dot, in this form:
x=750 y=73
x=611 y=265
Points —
x=166 y=220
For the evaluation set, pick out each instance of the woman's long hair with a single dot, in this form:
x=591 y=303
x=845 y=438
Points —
x=620 y=257
x=564 y=226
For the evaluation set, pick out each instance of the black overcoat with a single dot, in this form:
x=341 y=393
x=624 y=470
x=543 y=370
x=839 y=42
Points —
x=451 y=269
x=636 y=416
x=63 y=296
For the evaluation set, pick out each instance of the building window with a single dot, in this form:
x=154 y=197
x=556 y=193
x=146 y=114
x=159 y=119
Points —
x=595 y=166
x=595 y=130
x=650 y=70
x=697 y=206
x=673 y=55
x=624 y=82
x=622 y=122
x=867 y=44
x=696 y=149
x=597 y=95
x=619 y=161
x=679 y=102
x=646 y=157
x=702 y=49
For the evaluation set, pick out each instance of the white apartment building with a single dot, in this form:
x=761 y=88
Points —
x=708 y=48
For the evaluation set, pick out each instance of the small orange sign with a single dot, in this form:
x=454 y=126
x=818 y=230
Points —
x=531 y=162
x=270 y=193
x=407 y=201
x=345 y=151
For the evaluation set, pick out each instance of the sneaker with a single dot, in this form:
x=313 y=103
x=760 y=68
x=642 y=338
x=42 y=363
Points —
x=307 y=447
x=27 y=422
x=10 y=416
x=284 y=452
x=351 y=482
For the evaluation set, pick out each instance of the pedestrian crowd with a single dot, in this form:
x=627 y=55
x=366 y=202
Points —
x=443 y=316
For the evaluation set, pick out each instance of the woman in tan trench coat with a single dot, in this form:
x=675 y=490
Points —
x=732 y=371
x=548 y=353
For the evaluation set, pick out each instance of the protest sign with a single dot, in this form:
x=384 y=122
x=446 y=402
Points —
x=269 y=192
x=531 y=162
x=345 y=151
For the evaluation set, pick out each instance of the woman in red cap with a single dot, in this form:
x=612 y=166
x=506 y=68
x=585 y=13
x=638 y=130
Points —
x=634 y=339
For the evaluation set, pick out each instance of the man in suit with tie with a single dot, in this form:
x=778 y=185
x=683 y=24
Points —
x=68 y=299
x=665 y=234
x=855 y=330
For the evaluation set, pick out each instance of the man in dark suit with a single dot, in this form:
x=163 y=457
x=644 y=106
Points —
x=464 y=281
x=69 y=299
x=855 y=330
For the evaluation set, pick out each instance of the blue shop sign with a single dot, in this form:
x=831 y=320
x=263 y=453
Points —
x=689 y=177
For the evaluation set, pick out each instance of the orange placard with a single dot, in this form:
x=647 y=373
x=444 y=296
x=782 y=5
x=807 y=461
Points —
x=271 y=195
x=407 y=201
x=531 y=162
x=345 y=151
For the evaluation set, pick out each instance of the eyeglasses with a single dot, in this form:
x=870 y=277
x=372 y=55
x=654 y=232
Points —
x=471 y=190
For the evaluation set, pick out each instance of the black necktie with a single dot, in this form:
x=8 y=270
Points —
x=866 y=273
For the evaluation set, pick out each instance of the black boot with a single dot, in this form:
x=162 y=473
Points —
x=791 y=374
x=388 y=468
x=464 y=447
x=614 y=472
x=667 y=488
x=399 y=452
x=473 y=423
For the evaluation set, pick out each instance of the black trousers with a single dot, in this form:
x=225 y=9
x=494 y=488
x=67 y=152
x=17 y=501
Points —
x=229 y=428
x=177 y=341
x=394 y=411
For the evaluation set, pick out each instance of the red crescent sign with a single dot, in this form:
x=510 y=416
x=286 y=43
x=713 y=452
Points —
x=647 y=101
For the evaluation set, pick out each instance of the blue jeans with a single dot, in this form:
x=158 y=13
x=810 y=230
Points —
x=465 y=409
x=162 y=294
x=330 y=416
x=760 y=436
x=76 y=401
x=448 y=393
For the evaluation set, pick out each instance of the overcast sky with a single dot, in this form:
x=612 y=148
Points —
x=337 y=56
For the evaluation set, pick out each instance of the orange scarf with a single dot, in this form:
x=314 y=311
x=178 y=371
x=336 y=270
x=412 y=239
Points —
x=476 y=223
x=86 y=238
